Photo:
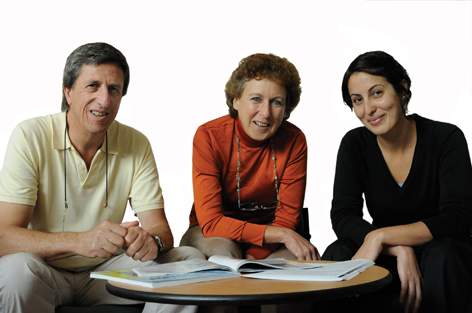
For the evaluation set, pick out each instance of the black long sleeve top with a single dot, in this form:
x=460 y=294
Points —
x=437 y=190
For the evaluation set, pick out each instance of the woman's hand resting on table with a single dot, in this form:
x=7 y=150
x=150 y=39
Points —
x=296 y=244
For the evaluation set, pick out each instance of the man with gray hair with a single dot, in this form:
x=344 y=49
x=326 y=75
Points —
x=64 y=187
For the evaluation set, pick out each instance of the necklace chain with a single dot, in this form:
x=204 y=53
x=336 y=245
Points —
x=66 y=204
x=238 y=172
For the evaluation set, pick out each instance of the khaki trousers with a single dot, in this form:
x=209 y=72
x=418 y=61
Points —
x=29 y=284
x=209 y=246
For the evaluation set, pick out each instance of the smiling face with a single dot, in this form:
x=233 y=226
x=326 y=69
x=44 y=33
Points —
x=94 y=99
x=261 y=108
x=375 y=102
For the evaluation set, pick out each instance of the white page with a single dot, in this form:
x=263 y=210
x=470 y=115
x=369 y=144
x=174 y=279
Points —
x=236 y=264
x=335 y=271
x=176 y=268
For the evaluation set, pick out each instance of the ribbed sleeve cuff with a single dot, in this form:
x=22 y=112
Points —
x=254 y=233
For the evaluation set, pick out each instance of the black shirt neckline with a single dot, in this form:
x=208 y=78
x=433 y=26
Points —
x=414 y=162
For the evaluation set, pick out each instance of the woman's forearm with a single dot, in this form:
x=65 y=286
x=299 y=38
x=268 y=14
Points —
x=405 y=235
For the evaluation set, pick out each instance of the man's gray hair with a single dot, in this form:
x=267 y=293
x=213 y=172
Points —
x=92 y=54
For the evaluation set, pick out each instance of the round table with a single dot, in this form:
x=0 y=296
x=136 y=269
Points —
x=248 y=291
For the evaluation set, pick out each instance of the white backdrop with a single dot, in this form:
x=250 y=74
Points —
x=182 y=52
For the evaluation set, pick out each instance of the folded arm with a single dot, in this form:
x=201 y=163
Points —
x=139 y=240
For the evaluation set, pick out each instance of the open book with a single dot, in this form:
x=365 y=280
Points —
x=218 y=263
x=219 y=267
x=321 y=271
x=244 y=266
x=166 y=275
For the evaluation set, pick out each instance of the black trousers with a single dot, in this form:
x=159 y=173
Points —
x=446 y=268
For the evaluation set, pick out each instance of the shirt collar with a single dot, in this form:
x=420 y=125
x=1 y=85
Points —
x=58 y=122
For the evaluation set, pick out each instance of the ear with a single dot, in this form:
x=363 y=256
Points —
x=236 y=104
x=67 y=95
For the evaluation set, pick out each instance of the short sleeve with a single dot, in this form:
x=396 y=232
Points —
x=19 y=178
x=146 y=193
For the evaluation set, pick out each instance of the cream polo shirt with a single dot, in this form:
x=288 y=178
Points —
x=33 y=174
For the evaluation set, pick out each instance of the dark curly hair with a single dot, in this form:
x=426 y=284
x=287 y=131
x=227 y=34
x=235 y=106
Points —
x=260 y=66
x=380 y=63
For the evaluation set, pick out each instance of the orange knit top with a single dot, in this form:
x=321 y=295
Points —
x=214 y=180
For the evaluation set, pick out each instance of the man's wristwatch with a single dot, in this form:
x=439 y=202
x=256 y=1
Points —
x=159 y=243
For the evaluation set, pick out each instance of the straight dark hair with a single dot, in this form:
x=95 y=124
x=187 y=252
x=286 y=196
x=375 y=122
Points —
x=92 y=54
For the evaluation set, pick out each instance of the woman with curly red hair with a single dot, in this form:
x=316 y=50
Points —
x=249 y=168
